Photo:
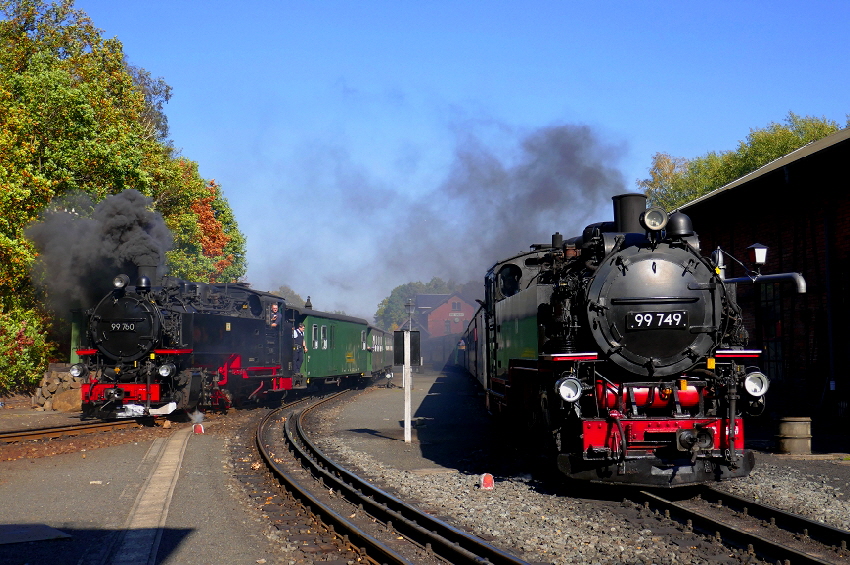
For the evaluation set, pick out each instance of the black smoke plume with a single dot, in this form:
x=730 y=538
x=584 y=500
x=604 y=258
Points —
x=82 y=246
x=561 y=178
x=492 y=203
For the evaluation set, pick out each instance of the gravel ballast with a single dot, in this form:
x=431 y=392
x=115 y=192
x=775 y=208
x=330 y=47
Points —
x=544 y=521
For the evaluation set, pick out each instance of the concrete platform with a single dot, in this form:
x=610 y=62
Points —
x=89 y=497
x=451 y=427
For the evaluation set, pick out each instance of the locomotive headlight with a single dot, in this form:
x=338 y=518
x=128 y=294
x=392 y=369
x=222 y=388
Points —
x=120 y=281
x=78 y=370
x=569 y=388
x=167 y=370
x=653 y=219
x=756 y=384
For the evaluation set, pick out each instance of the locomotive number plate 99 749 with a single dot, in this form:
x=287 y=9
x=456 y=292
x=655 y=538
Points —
x=656 y=320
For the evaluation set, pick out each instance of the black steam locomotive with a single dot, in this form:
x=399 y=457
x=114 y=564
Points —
x=623 y=350
x=152 y=350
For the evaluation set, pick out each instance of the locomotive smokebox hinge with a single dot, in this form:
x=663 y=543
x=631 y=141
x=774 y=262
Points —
x=701 y=286
x=623 y=263
x=692 y=353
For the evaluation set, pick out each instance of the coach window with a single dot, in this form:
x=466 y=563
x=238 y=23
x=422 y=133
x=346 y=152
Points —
x=333 y=337
x=363 y=340
x=324 y=337
x=315 y=336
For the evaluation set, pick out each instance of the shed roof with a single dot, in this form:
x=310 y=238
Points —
x=796 y=155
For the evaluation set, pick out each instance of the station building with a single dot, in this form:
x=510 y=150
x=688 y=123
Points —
x=441 y=318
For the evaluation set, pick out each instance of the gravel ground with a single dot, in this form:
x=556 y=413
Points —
x=526 y=515
x=817 y=489
x=546 y=527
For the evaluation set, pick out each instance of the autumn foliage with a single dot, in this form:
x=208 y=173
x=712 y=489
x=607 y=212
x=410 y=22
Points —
x=75 y=116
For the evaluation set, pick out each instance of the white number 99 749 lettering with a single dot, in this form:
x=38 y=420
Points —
x=656 y=320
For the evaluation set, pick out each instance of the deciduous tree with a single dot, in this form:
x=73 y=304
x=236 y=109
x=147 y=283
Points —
x=674 y=181
x=76 y=116
x=292 y=298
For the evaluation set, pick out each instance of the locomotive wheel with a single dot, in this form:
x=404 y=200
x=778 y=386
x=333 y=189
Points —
x=228 y=398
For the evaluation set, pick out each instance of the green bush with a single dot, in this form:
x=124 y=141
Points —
x=24 y=349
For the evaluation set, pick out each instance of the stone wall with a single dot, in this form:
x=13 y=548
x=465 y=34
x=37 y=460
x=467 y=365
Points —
x=58 y=390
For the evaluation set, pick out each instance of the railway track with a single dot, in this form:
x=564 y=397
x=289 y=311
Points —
x=400 y=523
x=71 y=430
x=766 y=532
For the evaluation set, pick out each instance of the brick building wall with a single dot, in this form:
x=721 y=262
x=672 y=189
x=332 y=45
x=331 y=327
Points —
x=801 y=211
x=451 y=317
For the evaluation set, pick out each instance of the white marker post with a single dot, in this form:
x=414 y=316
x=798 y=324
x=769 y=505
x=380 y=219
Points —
x=408 y=386
x=406 y=347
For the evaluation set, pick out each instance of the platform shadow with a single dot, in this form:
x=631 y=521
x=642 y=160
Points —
x=75 y=546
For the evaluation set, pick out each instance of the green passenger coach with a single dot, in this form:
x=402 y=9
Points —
x=341 y=346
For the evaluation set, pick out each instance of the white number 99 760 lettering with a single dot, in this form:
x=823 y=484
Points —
x=123 y=327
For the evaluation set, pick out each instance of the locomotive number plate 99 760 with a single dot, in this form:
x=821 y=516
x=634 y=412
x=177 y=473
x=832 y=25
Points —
x=122 y=327
x=656 y=320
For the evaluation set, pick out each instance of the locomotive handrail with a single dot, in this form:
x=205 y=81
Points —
x=654 y=299
x=796 y=277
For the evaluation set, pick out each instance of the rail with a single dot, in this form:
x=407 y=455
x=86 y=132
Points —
x=71 y=430
x=814 y=543
x=421 y=529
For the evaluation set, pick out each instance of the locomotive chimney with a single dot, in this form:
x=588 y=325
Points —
x=627 y=211
x=557 y=240
x=146 y=269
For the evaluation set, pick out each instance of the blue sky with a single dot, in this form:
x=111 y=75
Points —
x=366 y=144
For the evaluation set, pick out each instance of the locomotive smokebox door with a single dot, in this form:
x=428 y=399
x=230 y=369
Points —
x=653 y=311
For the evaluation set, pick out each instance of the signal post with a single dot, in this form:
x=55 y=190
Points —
x=406 y=353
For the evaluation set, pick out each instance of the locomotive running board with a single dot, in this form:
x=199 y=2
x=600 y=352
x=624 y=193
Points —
x=737 y=353
x=589 y=356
